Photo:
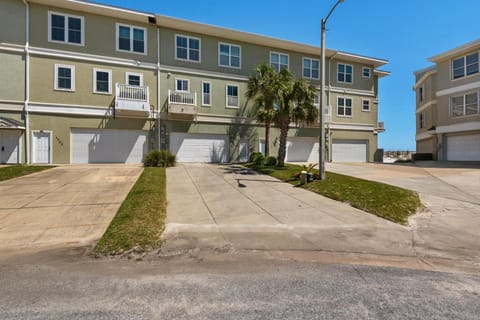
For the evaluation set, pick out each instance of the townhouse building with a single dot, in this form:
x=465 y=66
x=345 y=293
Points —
x=447 y=105
x=83 y=82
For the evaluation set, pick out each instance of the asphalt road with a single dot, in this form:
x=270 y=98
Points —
x=69 y=285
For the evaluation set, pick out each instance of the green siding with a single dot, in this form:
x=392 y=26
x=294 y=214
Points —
x=12 y=76
x=12 y=16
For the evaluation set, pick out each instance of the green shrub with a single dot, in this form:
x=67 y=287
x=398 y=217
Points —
x=257 y=158
x=271 y=161
x=159 y=158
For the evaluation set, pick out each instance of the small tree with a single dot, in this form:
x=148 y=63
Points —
x=296 y=104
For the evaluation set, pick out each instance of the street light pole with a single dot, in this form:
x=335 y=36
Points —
x=321 y=155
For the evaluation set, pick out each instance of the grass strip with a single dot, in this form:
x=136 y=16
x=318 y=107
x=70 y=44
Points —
x=15 y=171
x=140 y=220
x=383 y=200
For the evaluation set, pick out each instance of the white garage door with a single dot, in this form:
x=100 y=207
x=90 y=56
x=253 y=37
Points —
x=349 y=151
x=108 y=146
x=463 y=148
x=10 y=146
x=302 y=149
x=190 y=147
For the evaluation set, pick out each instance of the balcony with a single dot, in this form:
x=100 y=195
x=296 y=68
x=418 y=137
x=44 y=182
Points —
x=182 y=103
x=132 y=100
x=380 y=127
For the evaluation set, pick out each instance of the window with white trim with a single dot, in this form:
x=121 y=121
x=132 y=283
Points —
x=66 y=28
x=278 y=61
x=233 y=100
x=421 y=93
x=311 y=68
x=464 y=105
x=344 y=73
x=229 y=55
x=465 y=66
x=206 y=93
x=102 y=81
x=131 y=39
x=366 y=72
x=421 y=120
x=134 y=79
x=344 y=107
x=187 y=48
x=64 y=77
x=182 y=85
x=365 y=105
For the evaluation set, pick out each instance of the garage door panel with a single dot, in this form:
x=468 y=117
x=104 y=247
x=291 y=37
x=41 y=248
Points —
x=10 y=146
x=205 y=148
x=349 y=151
x=108 y=146
x=302 y=149
x=463 y=148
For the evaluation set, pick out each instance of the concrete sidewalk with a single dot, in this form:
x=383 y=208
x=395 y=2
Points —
x=225 y=207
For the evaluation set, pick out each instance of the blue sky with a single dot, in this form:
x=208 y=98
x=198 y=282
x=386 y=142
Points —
x=405 y=32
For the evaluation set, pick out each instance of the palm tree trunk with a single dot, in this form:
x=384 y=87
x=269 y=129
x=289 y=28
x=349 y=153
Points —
x=267 y=138
x=282 y=149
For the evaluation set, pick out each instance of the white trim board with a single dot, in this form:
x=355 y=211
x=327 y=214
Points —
x=458 y=89
x=459 y=127
x=425 y=106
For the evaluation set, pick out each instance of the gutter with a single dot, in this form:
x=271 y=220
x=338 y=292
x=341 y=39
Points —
x=27 y=82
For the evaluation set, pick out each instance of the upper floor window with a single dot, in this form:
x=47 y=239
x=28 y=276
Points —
x=365 y=105
x=232 y=96
x=465 y=66
x=344 y=107
x=421 y=94
x=102 y=81
x=421 y=120
x=366 y=72
x=311 y=68
x=278 y=61
x=464 y=105
x=206 y=93
x=229 y=55
x=344 y=73
x=182 y=85
x=65 y=28
x=64 y=77
x=134 y=79
x=187 y=48
x=131 y=39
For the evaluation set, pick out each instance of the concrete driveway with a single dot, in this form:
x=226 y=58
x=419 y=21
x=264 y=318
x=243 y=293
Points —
x=227 y=207
x=67 y=205
x=450 y=227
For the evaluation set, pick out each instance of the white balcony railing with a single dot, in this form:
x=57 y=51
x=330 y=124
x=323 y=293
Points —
x=132 y=99
x=178 y=97
x=380 y=126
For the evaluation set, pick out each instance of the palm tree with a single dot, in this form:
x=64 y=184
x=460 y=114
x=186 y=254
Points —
x=296 y=104
x=263 y=87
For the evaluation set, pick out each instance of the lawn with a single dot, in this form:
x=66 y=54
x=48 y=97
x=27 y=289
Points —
x=140 y=220
x=386 y=201
x=15 y=171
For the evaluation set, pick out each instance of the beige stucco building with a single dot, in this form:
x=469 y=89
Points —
x=447 y=105
x=84 y=83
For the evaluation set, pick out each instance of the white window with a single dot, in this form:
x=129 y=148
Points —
x=465 y=66
x=229 y=55
x=232 y=96
x=344 y=107
x=421 y=120
x=344 y=73
x=206 y=93
x=187 y=48
x=366 y=72
x=464 y=105
x=64 y=77
x=311 y=68
x=365 y=105
x=102 y=82
x=66 y=28
x=134 y=79
x=131 y=39
x=278 y=61
x=182 y=85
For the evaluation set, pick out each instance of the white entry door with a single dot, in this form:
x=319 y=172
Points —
x=10 y=146
x=41 y=147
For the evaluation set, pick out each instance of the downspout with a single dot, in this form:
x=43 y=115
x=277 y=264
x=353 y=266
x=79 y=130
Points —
x=27 y=82
x=158 y=90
